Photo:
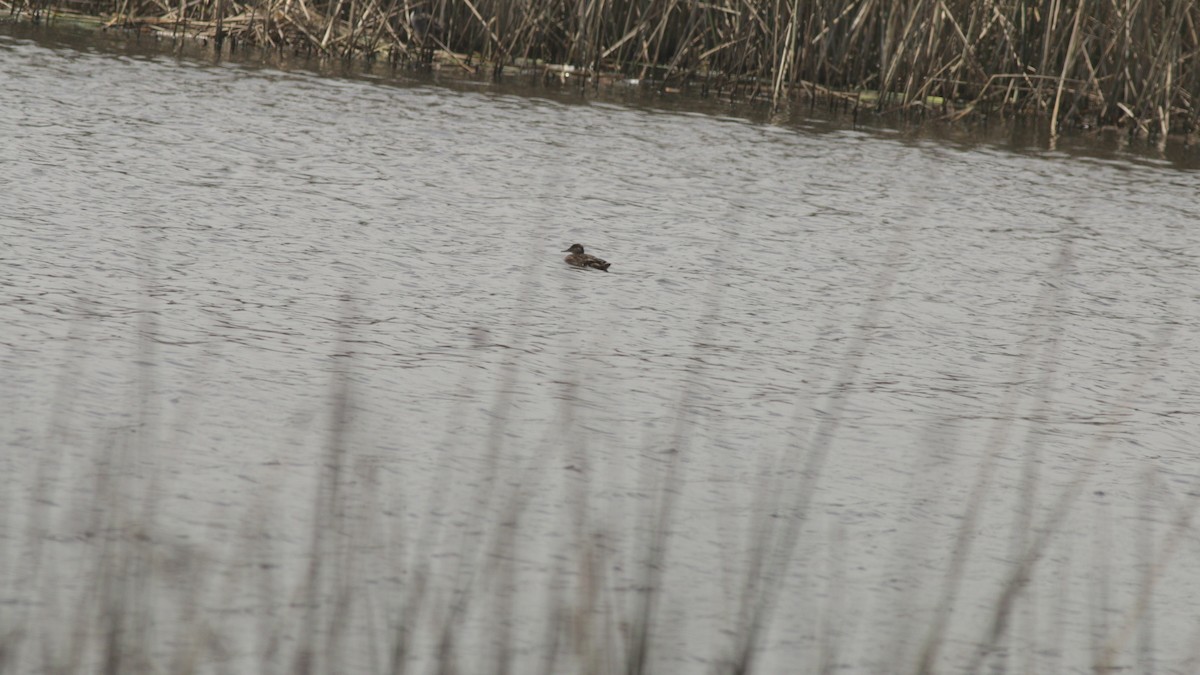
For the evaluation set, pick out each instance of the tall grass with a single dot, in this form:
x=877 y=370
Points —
x=1132 y=63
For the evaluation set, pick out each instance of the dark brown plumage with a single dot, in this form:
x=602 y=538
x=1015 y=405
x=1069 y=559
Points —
x=580 y=259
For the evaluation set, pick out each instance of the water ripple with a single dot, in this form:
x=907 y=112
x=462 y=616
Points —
x=260 y=230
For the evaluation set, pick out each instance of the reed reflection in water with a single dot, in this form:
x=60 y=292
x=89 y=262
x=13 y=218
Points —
x=295 y=379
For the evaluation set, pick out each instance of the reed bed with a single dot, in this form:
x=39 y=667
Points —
x=1134 y=64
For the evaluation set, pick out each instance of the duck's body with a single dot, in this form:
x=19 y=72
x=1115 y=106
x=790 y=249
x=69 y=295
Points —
x=580 y=259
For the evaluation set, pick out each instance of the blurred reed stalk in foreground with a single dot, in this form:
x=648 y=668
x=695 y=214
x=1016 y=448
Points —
x=111 y=589
x=1119 y=62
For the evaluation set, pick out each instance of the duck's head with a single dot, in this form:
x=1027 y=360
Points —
x=577 y=249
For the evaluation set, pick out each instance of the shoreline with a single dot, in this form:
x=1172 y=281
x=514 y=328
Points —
x=1074 y=92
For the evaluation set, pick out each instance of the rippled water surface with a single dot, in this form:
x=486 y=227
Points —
x=303 y=338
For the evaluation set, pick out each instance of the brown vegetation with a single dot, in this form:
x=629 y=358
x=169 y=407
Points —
x=1131 y=63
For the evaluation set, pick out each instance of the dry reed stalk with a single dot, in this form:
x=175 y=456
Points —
x=1121 y=62
x=1071 y=52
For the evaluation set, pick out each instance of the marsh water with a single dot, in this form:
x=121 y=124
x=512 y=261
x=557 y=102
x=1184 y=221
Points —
x=290 y=360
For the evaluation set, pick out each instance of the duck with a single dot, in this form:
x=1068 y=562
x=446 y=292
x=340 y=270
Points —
x=580 y=259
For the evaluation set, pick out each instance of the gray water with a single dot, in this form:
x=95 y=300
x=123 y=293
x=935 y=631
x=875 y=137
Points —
x=235 y=300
